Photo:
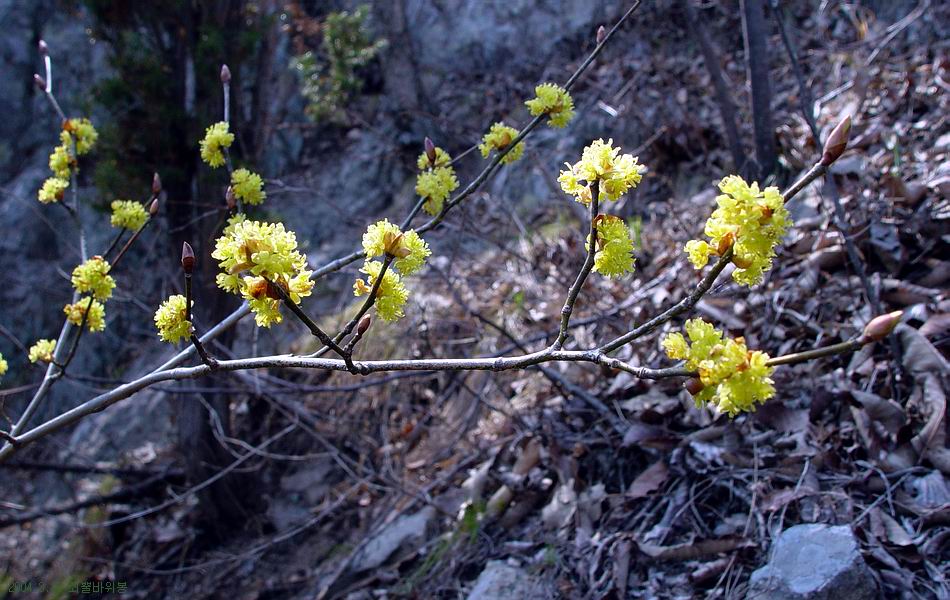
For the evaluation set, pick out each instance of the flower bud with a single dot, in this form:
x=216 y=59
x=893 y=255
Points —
x=601 y=35
x=837 y=142
x=364 y=324
x=693 y=385
x=230 y=198
x=156 y=185
x=225 y=74
x=39 y=81
x=881 y=326
x=153 y=207
x=187 y=258
x=725 y=243
x=741 y=262
x=430 y=151
x=42 y=47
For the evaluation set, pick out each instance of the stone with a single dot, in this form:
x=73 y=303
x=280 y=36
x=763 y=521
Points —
x=403 y=531
x=501 y=581
x=814 y=562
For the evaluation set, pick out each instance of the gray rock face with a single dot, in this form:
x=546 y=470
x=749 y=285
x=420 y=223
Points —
x=814 y=562
x=489 y=35
x=501 y=581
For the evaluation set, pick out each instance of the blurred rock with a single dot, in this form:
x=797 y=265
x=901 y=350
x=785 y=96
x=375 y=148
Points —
x=501 y=581
x=814 y=562
x=405 y=530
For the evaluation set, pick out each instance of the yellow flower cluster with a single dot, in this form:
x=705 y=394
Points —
x=268 y=254
x=554 y=101
x=436 y=181
x=43 y=350
x=3 y=366
x=409 y=252
x=248 y=186
x=84 y=134
x=733 y=377
x=53 y=190
x=408 y=248
x=96 y=321
x=78 y=137
x=614 y=256
x=171 y=320
x=128 y=214
x=93 y=277
x=392 y=294
x=601 y=162
x=60 y=161
x=498 y=138
x=442 y=159
x=750 y=221
x=217 y=139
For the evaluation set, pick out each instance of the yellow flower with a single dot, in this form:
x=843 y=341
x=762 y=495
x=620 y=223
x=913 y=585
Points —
x=698 y=252
x=248 y=186
x=96 y=321
x=733 y=377
x=435 y=185
x=498 y=138
x=233 y=220
x=216 y=139
x=83 y=132
x=52 y=190
x=614 y=255
x=60 y=161
x=442 y=159
x=171 y=320
x=750 y=221
x=392 y=294
x=128 y=214
x=676 y=346
x=265 y=252
x=554 y=101
x=43 y=350
x=3 y=366
x=409 y=249
x=93 y=276
x=616 y=173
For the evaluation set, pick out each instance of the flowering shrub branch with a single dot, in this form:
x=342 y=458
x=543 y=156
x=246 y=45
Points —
x=260 y=262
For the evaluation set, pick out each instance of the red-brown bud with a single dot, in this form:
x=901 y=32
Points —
x=187 y=258
x=837 y=142
x=230 y=198
x=42 y=47
x=225 y=74
x=430 y=151
x=156 y=185
x=601 y=35
x=363 y=325
x=693 y=386
x=881 y=326
x=39 y=81
x=153 y=207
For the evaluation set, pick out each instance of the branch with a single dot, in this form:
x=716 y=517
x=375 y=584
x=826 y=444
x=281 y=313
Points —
x=707 y=281
x=575 y=289
x=727 y=107
x=367 y=304
x=507 y=363
x=757 y=59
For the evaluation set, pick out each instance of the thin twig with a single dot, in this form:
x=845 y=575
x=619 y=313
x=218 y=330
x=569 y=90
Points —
x=568 y=309
x=367 y=304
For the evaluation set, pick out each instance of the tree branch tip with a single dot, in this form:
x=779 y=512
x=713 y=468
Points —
x=837 y=142
x=881 y=326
